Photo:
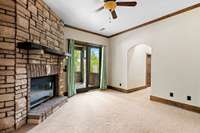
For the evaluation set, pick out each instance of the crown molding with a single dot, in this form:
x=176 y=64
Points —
x=141 y=25
x=158 y=19
x=87 y=31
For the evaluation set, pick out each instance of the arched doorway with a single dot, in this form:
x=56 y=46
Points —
x=139 y=66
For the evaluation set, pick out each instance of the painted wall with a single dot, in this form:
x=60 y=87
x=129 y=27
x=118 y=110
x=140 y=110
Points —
x=136 y=70
x=85 y=37
x=175 y=46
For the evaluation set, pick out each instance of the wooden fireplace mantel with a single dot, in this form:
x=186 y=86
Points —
x=35 y=46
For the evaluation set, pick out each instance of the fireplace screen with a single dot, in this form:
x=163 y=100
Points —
x=42 y=89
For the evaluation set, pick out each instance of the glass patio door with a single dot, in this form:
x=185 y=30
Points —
x=93 y=67
x=80 y=67
x=87 y=67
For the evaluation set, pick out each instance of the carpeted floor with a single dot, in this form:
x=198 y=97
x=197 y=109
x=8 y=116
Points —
x=114 y=112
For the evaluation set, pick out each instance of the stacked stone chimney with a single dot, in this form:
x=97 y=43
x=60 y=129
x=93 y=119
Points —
x=26 y=21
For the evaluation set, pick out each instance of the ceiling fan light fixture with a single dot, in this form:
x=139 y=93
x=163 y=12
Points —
x=110 y=5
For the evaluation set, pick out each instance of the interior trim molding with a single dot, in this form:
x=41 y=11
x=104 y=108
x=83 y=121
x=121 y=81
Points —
x=87 y=31
x=129 y=90
x=141 y=25
x=159 y=19
x=177 y=104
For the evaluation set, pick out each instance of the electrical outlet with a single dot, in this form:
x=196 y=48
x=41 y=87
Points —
x=171 y=94
x=189 y=98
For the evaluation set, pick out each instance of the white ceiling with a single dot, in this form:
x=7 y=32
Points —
x=81 y=13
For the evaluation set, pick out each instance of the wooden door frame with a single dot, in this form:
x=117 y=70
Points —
x=147 y=56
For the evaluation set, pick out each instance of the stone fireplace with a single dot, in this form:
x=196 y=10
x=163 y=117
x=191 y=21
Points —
x=42 y=89
x=38 y=58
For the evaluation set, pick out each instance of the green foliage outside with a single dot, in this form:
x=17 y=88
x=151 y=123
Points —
x=94 y=62
x=77 y=56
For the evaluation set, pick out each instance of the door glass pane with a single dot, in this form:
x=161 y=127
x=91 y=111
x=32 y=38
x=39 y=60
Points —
x=94 y=67
x=80 y=68
x=77 y=55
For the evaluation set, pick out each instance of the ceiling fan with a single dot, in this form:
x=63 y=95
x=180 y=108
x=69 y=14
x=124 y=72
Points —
x=112 y=4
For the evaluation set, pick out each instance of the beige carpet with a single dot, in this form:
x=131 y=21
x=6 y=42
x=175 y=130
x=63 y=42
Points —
x=115 y=112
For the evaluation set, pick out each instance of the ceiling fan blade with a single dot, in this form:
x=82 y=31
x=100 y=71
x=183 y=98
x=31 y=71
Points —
x=114 y=14
x=99 y=9
x=108 y=0
x=127 y=3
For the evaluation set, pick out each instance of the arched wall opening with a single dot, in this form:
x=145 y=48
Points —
x=139 y=66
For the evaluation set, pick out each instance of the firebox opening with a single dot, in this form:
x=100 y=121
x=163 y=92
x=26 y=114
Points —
x=42 y=89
